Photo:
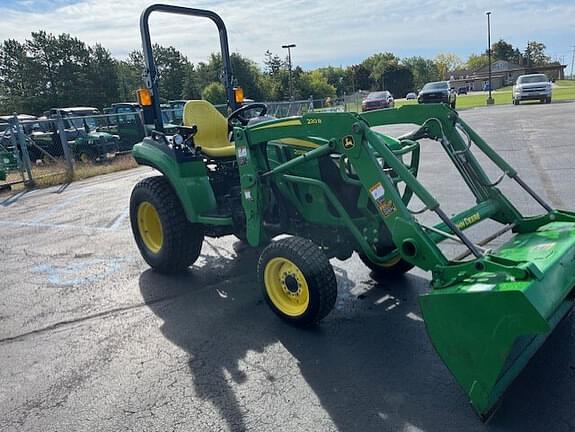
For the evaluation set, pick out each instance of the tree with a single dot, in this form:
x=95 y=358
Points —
x=502 y=50
x=476 y=62
x=535 y=54
x=14 y=68
x=313 y=84
x=423 y=71
x=273 y=64
x=190 y=87
x=102 y=77
x=172 y=67
x=129 y=80
x=335 y=76
x=359 y=76
x=247 y=75
x=215 y=93
x=447 y=62
x=376 y=65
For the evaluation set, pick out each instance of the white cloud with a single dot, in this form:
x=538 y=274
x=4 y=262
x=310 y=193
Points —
x=325 y=31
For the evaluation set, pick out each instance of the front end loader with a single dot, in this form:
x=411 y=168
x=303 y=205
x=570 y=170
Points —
x=335 y=186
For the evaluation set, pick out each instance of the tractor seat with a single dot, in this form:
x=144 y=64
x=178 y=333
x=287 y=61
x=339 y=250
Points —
x=212 y=135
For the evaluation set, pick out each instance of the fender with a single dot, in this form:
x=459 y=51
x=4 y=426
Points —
x=188 y=178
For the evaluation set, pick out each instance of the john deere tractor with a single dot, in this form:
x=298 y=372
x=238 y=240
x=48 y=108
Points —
x=330 y=185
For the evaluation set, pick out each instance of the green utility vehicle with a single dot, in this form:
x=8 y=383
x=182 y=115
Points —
x=336 y=187
x=125 y=121
x=81 y=124
x=8 y=162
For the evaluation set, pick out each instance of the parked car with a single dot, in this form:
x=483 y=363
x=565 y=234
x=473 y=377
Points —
x=436 y=92
x=532 y=87
x=411 y=96
x=487 y=87
x=377 y=100
x=462 y=91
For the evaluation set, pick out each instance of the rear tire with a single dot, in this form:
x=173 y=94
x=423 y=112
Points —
x=88 y=156
x=394 y=268
x=297 y=281
x=168 y=242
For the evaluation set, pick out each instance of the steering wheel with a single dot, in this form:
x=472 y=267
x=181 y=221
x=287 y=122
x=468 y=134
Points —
x=237 y=114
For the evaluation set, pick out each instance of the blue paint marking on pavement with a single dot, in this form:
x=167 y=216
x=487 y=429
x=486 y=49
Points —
x=120 y=219
x=79 y=272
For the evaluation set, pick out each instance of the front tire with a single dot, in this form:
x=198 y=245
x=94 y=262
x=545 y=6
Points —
x=392 y=269
x=297 y=281
x=168 y=242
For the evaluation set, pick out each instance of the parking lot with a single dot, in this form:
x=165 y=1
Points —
x=92 y=340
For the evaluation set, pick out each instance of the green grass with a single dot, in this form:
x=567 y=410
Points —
x=563 y=90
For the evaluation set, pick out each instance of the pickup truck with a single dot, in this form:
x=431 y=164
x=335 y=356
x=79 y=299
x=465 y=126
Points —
x=532 y=87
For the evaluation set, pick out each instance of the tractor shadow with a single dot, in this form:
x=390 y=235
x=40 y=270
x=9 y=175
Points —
x=369 y=364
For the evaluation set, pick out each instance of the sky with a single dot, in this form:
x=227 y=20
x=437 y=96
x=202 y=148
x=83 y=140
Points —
x=326 y=32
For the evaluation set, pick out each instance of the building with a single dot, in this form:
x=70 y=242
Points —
x=503 y=73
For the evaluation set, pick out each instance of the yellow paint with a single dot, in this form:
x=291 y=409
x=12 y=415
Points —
x=150 y=227
x=468 y=221
x=291 y=122
x=276 y=272
x=298 y=142
x=212 y=135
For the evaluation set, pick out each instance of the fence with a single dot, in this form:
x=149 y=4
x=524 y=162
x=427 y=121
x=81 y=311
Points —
x=33 y=148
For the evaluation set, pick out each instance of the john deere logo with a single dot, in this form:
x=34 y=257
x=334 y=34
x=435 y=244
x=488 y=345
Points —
x=348 y=142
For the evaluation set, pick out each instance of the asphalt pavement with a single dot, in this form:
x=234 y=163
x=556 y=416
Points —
x=92 y=340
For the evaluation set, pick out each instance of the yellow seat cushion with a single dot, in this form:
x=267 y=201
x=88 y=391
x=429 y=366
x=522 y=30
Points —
x=212 y=135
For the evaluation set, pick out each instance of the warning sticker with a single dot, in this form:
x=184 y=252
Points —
x=242 y=155
x=348 y=142
x=387 y=208
x=377 y=192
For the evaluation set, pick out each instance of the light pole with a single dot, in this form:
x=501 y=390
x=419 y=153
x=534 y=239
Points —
x=289 y=47
x=490 y=100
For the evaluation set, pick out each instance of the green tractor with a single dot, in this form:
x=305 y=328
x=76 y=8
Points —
x=335 y=185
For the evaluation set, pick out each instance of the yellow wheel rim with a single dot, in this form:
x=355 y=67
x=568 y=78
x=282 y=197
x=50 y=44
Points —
x=286 y=286
x=391 y=262
x=150 y=227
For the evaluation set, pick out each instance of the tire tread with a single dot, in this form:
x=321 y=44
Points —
x=315 y=267
x=182 y=239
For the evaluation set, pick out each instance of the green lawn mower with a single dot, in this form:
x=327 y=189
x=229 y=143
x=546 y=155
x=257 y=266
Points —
x=336 y=186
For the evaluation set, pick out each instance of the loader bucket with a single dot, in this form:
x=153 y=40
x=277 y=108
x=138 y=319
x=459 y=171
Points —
x=486 y=328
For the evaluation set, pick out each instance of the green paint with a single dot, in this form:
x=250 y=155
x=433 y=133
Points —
x=333 y=179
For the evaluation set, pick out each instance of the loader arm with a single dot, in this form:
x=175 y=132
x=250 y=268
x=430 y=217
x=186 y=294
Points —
x=487 y=315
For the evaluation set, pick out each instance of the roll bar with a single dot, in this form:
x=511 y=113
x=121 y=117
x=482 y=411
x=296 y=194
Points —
x=150 y=72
